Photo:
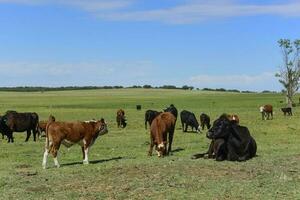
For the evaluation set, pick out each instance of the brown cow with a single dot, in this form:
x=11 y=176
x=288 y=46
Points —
x=42 y=126
x=69 y=133
x=266 y=111
x=234 y=117
x=161 y=126
x=121 y=120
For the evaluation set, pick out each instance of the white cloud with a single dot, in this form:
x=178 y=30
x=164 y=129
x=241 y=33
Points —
x=265 y=80
x=80 y=73
x=192 y=11
x=206 y=10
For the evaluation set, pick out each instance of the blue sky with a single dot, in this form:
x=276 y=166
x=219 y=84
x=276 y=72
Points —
x=218 y=43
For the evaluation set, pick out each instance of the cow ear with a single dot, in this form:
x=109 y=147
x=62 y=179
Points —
x=102 y=120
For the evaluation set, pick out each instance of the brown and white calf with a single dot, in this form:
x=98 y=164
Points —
x=266 y=111
x=162 y=126
x=70 y=133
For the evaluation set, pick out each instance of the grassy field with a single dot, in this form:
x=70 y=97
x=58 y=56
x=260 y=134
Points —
x=120 y=167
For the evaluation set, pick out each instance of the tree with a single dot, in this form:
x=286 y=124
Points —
x=289 y=75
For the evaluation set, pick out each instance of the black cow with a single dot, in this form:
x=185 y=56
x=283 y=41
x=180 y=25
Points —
x=138 y=107
x=172 y=109
x=287 y=110
x=149 y=116
x=13 y=121
x=3 y=127
x=231 y=141
x=205 y=121
x=189 y=119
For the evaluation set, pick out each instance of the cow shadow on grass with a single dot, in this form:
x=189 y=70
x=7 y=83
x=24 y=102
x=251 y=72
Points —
x=177 y=150
x=94 y=161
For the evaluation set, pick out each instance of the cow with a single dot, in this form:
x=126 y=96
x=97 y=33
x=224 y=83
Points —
x=139 y=107
x=149 y=116
x=13 y=121
x=43 y=125
x=231 y=141
x=287 y=110
x=162 y=127
x=205 y=121
x=70 y=133
x=189 y=119
x=121 y=120
x=172 y=109
x=266 y=111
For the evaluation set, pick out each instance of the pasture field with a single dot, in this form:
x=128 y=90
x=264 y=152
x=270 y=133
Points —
x=120 y=167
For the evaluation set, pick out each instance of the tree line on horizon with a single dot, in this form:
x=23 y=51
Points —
x=66 y=88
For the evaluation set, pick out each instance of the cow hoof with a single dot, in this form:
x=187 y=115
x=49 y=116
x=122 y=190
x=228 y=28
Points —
x=85 y=162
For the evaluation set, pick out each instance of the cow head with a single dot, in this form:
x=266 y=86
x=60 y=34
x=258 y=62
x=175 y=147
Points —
x=161 y=149
x=102 y=127
x=220 y=129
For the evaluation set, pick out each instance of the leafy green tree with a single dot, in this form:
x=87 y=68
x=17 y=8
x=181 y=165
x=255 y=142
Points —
x=289 y=75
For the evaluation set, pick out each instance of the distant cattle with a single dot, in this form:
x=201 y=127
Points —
x=70 y=133
x=149 y=116
x=162 y=127
x=266 y=111
x=231 y=141
x=287 y=111
x=13 y=121
x=172 y=109
x=189 y=119
x=138 y=107
x=121 y=120
x=204 y=121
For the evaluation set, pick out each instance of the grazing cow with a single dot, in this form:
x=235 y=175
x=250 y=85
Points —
x=231 y=141
x=149 y=116
x=172 y=109
x=287 y=110
x=205 y=121
x=138 y=107
x=161 y=126
x=121 y=120
x=70 y=133
x=266 y=111
x=189 y=119
x=20 y=122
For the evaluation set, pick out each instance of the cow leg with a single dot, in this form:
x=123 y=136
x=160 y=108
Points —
x=10 y=137
x=46 y=152
x=151 y=145
x=54 y=151
x=186 y=127
x=210 y=151
x=28 y=135
x=86 y=145
x=86 y=158
x=34 y=134
x=171 y=134
x=83 y=154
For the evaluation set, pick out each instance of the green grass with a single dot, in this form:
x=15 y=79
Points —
x=120 y=167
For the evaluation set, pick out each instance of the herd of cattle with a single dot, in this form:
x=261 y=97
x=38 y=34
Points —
x=229 y=140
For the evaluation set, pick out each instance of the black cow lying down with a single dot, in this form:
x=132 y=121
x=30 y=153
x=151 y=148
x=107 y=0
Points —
x=230 y=141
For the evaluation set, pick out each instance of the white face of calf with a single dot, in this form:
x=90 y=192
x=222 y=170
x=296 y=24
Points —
x=160 y=149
